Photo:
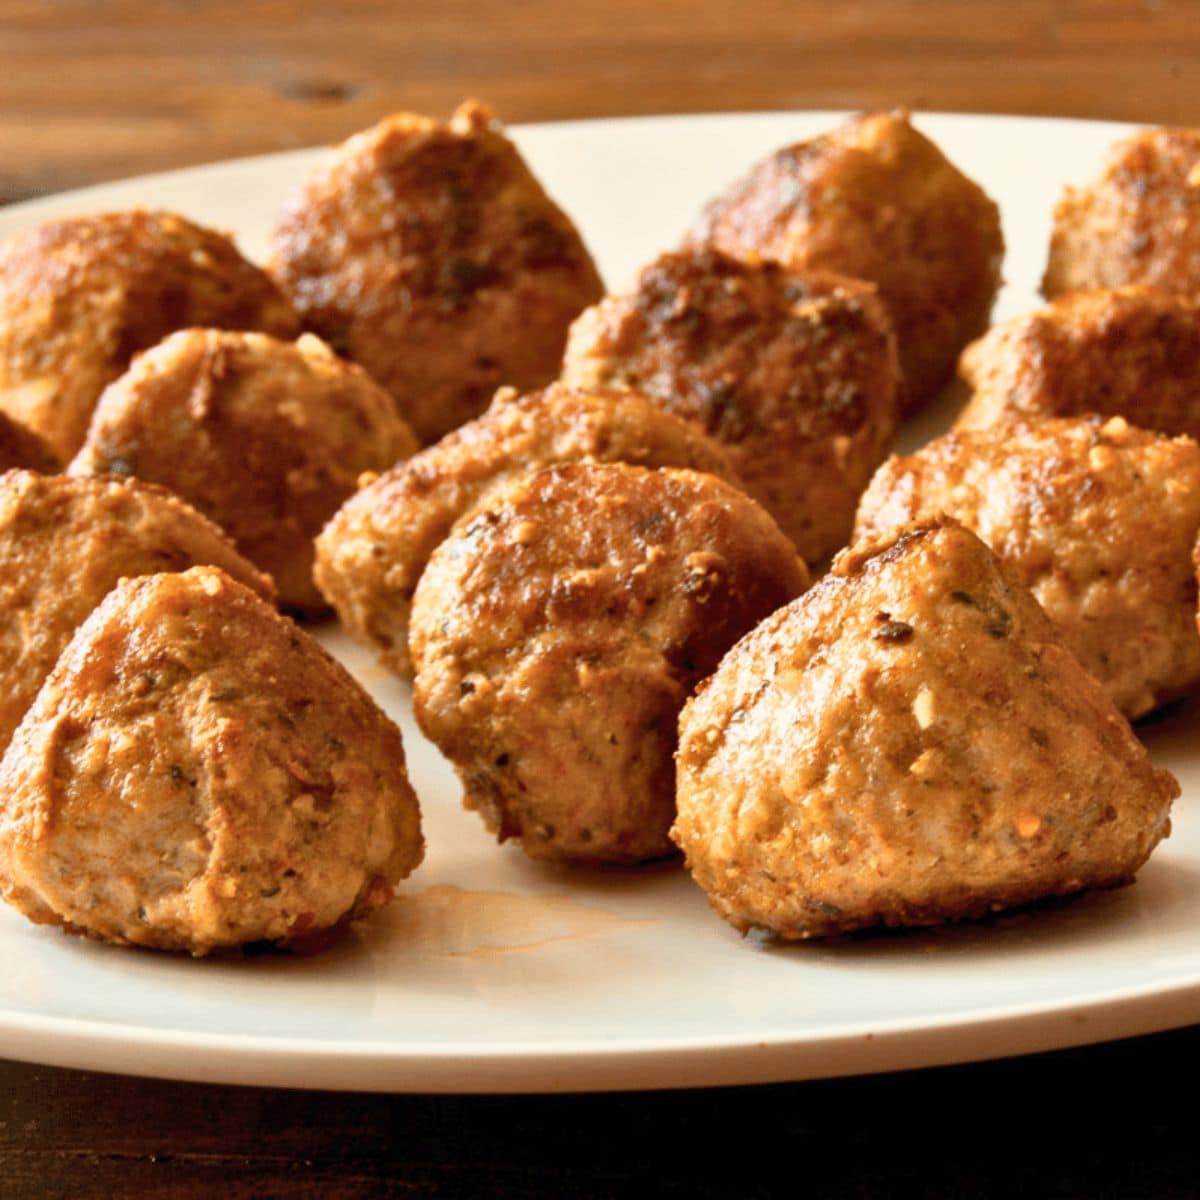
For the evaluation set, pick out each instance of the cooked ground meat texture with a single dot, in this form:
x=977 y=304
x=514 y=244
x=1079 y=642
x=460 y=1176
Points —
x=79 y=297
x=65 y=543
x=1132 y=352
x=197 y=773
x=1138 y=222
x=876 y=200
x=794 y=374
x=267 y=438
x=906 y=744
x=429 y=253
x=558 y=631
x=373 y=551
x=1096 y=518
x=21 y=447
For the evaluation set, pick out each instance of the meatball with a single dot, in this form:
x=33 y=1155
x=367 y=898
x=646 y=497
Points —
x=80 y=297
x=1132 y=352
x=430 y=254
x=877 y=200
x=197 y=773
x=266 y=438
x=373 y=551
x=1138 y=223
x=557 y=632
x=1097 y=519
x=795 y=375
x=21 y=447
x=908 y=743
x=64 y=544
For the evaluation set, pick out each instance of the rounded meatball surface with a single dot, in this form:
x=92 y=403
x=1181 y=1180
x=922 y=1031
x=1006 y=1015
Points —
x=21 y=447
x=1096 y=518
x=430 y=254
x=1139 y=222
x=876 y=200
x=795 y=375
x=64 y=545
x=1132 y=352
x=267 y=438
x=557 y=632
x=373 y=551
x=906 y=744
x=80 y=297
x=197 y=773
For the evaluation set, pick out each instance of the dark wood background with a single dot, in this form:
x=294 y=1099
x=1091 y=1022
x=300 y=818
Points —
x=92 y=91
x=1111 y=1121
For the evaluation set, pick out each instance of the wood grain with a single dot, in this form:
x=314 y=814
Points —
x=1083 y=1123
x=95 y=91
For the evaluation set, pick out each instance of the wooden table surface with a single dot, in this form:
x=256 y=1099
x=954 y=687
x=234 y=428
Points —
x=96 y=91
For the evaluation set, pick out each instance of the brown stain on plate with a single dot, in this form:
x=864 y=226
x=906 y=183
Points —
x=456 y=922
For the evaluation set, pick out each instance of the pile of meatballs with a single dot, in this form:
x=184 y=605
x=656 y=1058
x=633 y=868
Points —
x=656 y=583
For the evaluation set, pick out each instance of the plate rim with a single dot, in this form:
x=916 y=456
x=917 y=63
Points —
x=637 y=1064
x=519 y=129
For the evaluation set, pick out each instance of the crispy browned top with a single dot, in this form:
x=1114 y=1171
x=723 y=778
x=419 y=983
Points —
x=373 y=551
x=64 y=544
x=1131 y=351
x=620 y=555
x=429 y=253
x=877 y=200
x=80 y=296
x=558 y=630
x=1097 y=519
x=1139 y=222
x=795 y=374
x=908 y=743
x=264 y=437
x=197 y=772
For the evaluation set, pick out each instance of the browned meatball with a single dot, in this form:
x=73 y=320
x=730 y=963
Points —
x=1097 y=519
x=64 y=544
x=197 y=773
x=79 y=297
x=266 y=438
x=907 y=744
x=877 y=200
x=1132 y=352
x=21 y=447
x=795 y=375
x=557 y=632
x=1138 y=223
x=430 y=254
x=373 y=551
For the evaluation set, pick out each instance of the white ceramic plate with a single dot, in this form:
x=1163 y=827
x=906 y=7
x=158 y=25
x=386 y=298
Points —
x=497 y=975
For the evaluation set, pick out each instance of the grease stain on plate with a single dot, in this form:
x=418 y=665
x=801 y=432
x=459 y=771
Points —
x=454 y=922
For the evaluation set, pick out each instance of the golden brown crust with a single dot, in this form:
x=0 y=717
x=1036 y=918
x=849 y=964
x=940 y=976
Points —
x=372 y=552
x=1132 y=352
x=64 y=544
x=906 y=744
x=794 y=374
x=197 y=773
x=429 y=253
x=876 y=200
x=80 y=296
x=558 y=630
x=1096 y=518
x=264 y=437
x=1139 y=222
